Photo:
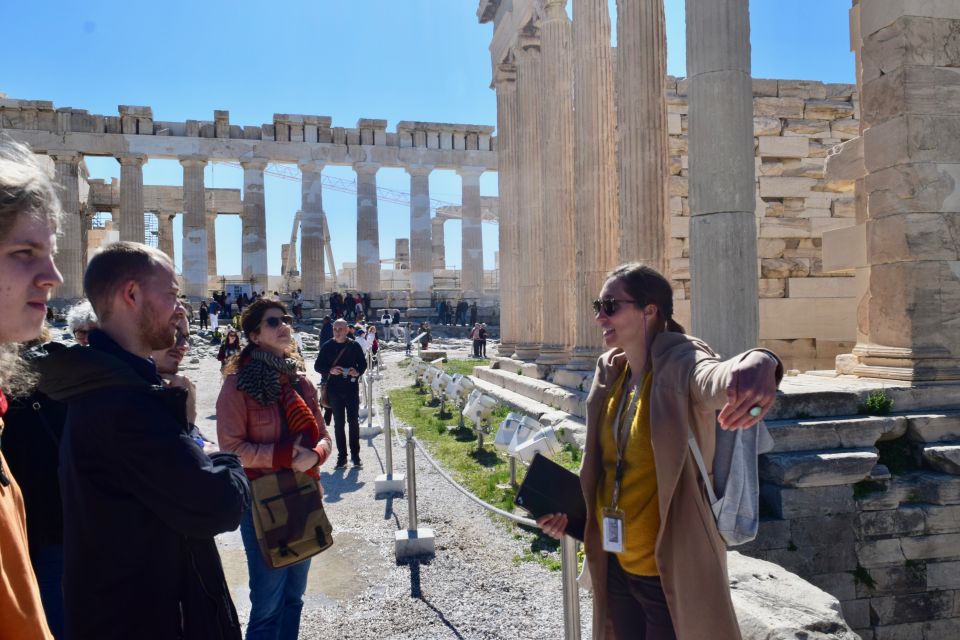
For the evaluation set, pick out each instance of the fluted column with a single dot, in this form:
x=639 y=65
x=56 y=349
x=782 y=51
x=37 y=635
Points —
x=530 y=241
x=471 y=244
x=69 y=256
x=195 y=258
x=131 y=197
x=421 y=247
x=642 y=131
x=253 y=259
x=311 y=231
x=165 y=233
x=211 y=245
x=723 y=230
x=437 y=243
x=558 y=255
x=368 y=227
x=597 y=220
x=505 y=84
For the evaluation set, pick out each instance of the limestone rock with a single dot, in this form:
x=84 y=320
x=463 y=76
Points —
x=817 y=468
x=774 y=604
x=943 y=457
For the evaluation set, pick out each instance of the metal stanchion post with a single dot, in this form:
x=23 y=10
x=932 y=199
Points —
x=413 y=541
x=388 y=484
x=411 y=482
x=388 y=437
x=571 y=599
x=513 y=472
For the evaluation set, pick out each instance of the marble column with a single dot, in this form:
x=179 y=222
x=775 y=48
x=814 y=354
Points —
x=471 y=245
x=195 y=259
x=438 y=248
x=530 y=240
x=212 y=245
x=254 y=254
x=421 y=247
x=723 y=228
x=165 y=233
x=311 y=231
x=69 y=258
x=909 y=314
x=558 y=254
x=642 y=131
x=131 y=197
x=368 y=228
x=505 y=84
x=595 y=166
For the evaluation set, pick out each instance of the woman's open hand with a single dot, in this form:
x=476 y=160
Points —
x=753 y=383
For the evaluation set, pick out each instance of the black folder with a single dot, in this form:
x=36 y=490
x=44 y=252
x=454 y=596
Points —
x=550 y=488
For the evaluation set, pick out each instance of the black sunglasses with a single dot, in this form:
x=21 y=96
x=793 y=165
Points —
x=609 y=306
x=274 y=321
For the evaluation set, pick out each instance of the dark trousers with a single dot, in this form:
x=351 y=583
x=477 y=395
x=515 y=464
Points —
x=636 y=605
x=349 y=404
x=476 y=348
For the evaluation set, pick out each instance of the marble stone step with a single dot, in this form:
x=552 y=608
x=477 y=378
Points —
x=817 y=468
x=846 y=432
x=529 y=369
x=568 y=400
x=569 y=428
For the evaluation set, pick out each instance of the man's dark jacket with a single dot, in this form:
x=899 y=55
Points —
x=353 y=356
x=141 y=503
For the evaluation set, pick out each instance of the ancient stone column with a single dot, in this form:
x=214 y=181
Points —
x=421 y=247
x=69 y=258
x=530 y=241
x=595 y=166
x=165 y=233
x=471 y=245
x=723 y=228
x=211 y=245
x=131 y=197
x=368 y=228
x=438 y=248
x=911 y=151
x=558 y=256
x=642 y=131
x=311 y=231
x=253 y=258
x=195 y=257
x=504 y=81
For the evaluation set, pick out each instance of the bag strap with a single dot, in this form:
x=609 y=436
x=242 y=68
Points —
x=698 y=456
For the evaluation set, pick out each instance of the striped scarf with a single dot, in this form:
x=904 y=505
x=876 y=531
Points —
x=269 y=378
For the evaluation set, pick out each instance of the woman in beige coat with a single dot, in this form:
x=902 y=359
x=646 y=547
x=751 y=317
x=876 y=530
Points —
x=657 y=562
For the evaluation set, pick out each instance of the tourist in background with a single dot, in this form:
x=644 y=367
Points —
x=262 y=395
x=483 y=340
x=81 y=319
x=29 y=215
x=658 y=577
x=473 y=313
x=326 y=330
x=229 y=349
x=340 y=363
x=214 y=310
x=475 y=336
x=204 y=315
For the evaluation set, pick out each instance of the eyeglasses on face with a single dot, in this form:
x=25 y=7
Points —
x=274 y=321
x=183 y=340
x=81 y=332
x=609 y=306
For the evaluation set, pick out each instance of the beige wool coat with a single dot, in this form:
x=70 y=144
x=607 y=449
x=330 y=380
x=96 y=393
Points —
x=689 y=386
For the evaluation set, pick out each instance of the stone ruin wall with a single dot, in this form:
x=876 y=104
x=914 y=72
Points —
x=807 y=316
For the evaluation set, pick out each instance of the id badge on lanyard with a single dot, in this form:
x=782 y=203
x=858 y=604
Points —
x=613 y=516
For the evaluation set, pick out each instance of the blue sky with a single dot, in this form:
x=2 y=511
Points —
x=349 y=59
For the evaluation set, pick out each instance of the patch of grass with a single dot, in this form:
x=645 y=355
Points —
x=878 y=404
x=479 y=471
x=862 y=576
x=463 y=366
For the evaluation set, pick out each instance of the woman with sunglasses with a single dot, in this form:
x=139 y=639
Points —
x=262 y=396
x=656 y=560
x=229 y=348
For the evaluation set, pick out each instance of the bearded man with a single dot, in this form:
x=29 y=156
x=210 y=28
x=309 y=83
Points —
x=141 y=499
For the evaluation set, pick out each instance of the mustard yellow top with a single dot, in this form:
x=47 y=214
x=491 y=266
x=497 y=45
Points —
x=638 y=489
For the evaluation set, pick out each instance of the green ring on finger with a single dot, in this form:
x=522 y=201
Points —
x=756 y=410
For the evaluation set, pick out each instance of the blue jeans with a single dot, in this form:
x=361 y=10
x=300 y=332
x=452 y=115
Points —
x=276 y=595
x=48 y=565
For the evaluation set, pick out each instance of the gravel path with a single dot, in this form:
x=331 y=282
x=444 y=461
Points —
x=473 y=588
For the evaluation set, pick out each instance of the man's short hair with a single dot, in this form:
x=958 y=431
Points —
x=25 y=187
x=115 y=265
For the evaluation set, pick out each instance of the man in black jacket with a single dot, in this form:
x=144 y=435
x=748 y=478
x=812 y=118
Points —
x=341 y=362
x=141 y=500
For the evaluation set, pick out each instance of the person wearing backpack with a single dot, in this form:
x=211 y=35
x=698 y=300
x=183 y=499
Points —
x=656 y=559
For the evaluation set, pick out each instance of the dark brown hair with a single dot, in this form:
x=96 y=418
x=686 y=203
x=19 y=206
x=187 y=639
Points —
x=647 y=286
x=250 y=322
x=117 y=264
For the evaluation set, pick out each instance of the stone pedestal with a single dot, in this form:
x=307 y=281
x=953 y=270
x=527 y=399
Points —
x=131 y=197
x=558 y=258
x=414 y=543
x=421 y=248
x=368 y=228
x=530 y=220
x=507 y=159
x=195 y=257
x=311 y=231
x=69 y=258
x=595 y=167
x=723 y=231
x=471 y=270
x=641 y=69
x=254 y=256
